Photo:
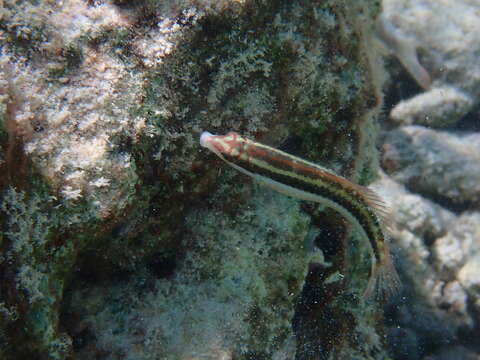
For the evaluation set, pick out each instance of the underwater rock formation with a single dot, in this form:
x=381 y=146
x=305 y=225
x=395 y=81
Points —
x=437 y=108
x=121 y=238
x=434 y=295
x=427 y=162
x=444 y=35
x=431 y=181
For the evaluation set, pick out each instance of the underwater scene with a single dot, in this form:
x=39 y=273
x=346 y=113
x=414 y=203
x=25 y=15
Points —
x=240 y=179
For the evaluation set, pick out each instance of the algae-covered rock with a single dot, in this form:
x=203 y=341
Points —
x=233 y=293
x=162 y=252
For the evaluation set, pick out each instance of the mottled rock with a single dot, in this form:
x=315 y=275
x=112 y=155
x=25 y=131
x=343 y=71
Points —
x=440 y=165
x=454 y=353
x=433 y=306
x=442 y=284
x=437 y=250
x=418 y=215
x=439 y=107
x=454 y=300
x=459 y=245
x=404 y=343
x=443 y=32
x=68 y=103
x=102 y=103
x=220 y=301
x=469 y=277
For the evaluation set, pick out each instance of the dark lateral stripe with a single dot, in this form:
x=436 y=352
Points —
x=292 y=164
x=322 y=187
x=284 y=161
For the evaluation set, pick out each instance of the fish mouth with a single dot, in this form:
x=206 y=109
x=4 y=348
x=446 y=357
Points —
x=205 y=139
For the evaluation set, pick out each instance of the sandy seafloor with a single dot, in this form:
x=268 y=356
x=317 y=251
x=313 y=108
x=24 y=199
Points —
x=122 y=239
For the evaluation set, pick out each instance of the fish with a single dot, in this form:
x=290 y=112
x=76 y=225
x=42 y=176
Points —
x=304 y=180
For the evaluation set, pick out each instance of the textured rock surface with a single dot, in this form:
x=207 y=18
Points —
x=441 y=165
x=67 y=102
x=432 y=176
x=437 y=252
x=105 y=191
x=233 y=293
x=413 y=212
x=432 y=180
x=468 y=277
x=443 y=32
x=454 y=352
x=439 y=107
x=462 y=242
x=433 y=309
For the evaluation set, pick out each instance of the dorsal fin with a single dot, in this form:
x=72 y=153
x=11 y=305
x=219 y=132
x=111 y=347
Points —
x=378 y=205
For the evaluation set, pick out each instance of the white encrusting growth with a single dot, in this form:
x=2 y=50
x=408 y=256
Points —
x=404 y=49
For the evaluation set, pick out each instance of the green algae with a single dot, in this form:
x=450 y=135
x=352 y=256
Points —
x=260 y=69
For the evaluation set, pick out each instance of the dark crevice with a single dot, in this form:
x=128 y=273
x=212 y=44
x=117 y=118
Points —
x=320 y=324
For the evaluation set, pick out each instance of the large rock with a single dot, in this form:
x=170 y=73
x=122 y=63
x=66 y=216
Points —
x=439 y=107
x=440 y=165
x=412 y=212
x=443 y=33
x=453 y=353
x=433 y=308
x=233 y=293
x=104 y=186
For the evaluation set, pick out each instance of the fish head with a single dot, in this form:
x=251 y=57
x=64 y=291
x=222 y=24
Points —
x=231 y=145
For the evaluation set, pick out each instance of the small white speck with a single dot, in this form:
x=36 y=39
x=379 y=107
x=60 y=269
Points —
x=100 y=182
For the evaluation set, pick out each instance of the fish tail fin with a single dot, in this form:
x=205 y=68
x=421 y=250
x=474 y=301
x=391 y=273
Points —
x=384 y=282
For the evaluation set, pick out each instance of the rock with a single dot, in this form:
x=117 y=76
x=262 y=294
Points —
x=403 y=343
x=219 y=300
x=443 y=33
x=418 y=215
x=452 y=251
x=436 y=249
x=454 y=353
x=439 y=165
x=437 y=108
x=469 y=275
x=453 y=299
x=101 y=108
x=432 y=308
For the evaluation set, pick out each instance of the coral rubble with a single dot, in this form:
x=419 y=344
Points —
x=430 y=156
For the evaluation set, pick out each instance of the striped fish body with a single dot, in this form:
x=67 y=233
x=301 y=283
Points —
x=304 y=180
